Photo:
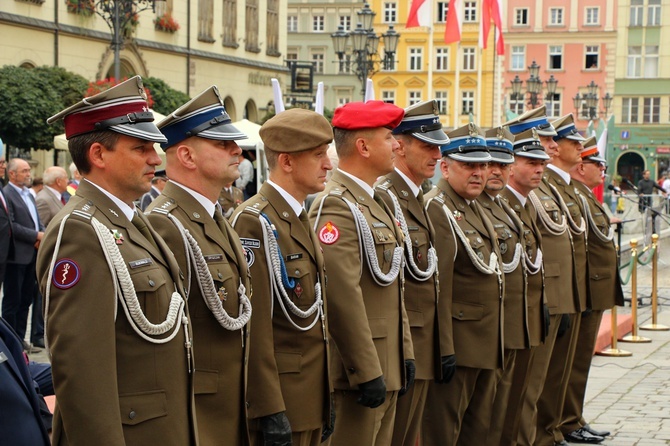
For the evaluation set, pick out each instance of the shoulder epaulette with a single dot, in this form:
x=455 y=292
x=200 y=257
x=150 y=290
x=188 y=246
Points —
x=85 y=211
x=256 y=208
x=385 y=185
x=336 y=192
x=164 y=208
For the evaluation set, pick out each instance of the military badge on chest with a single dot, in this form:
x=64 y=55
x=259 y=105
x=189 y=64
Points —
x=118 y=237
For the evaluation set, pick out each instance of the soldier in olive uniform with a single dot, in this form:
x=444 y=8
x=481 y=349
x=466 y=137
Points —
x=604 y=288
x=230 y=198
x=460 y=412
x=560 y=287
x=116 y=321
x=363 y=247
x=420 y=136
x=525 y=176
x=509 y=229
x=289 y=386
x=201 y=157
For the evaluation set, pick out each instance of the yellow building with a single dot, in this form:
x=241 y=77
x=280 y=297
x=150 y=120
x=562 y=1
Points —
x=459 y=75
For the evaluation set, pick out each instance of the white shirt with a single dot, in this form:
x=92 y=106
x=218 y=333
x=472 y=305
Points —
x=30 y=204
x=565 y=175
x=246 y=173
x=125 y=209
x=519 y=197
x=415 y=189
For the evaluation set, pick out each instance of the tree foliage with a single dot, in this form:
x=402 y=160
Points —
x=166 y=99
x=29 y=96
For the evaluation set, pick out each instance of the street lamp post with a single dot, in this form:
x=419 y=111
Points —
x=365 y=44
x=533 y=87
x=590 y=98
x=118 y=14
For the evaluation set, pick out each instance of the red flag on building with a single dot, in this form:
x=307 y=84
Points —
x=452 y=31
x=491 y=10
x=419 y=14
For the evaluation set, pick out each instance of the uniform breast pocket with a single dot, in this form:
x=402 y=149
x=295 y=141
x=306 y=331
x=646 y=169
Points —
x=300 y=272
x=225 y=285
x=504 y=238
x=552 y=210
x=385 y=243
x=139 y=407
x=420 y=244
x=153 y=292
x=476 y=243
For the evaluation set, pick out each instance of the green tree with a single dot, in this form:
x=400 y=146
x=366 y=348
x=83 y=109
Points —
x=166 y=99
x=29 y=97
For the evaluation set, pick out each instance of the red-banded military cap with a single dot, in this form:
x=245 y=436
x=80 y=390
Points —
x=203 y=116
x=122 y=109
x=367 y=115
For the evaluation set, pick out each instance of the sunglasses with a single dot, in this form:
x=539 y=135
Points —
x=600 y=164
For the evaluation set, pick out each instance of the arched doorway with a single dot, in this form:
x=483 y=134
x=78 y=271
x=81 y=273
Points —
x=251 y=111
x=126 y=70
x=630 y=166
x=229 y=105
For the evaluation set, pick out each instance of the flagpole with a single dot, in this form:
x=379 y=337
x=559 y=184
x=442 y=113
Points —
x=479 y=111
x=431 y=29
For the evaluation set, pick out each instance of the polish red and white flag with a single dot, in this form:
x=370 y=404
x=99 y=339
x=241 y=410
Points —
x=419 y=14
x=452 y=31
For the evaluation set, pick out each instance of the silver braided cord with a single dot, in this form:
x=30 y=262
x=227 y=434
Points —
x=207 y=287
x=277 y=284
x=533 y=267
x=514 y=264
x=552 y=227
x=413 y=269
x=446 y=213
x=367 y=244
x=492 y=268
x=128 y=297
x=574 y=227
x=600 y=235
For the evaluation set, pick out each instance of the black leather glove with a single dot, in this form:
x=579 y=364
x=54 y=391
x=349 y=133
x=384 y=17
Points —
x=276 y=430
x=373 y=393
x=448 y=364
x=410 y=373
x=564 y=325
x=329 y=426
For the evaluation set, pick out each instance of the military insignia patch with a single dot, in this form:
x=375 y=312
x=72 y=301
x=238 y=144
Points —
x=66 y=274
x=329 y=233
x=118 y=237
x=298 y=290
x=249 y=256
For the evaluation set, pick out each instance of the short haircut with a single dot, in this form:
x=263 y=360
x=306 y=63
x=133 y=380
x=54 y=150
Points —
x=272 y=157
x=80 y=144
x=345 y=141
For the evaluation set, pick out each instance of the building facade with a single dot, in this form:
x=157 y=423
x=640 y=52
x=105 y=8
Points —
x=238 y=45
x=575 y=42
x=639 y=138
x=460 y=76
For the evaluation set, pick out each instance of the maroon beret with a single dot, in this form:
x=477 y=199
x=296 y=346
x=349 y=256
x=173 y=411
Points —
x=367 y=115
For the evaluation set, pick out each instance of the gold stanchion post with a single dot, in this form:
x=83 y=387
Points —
x=633 y=337
x=613 y=350
x=655 y=326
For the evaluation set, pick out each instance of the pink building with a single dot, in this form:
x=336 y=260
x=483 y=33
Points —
x=573 y=43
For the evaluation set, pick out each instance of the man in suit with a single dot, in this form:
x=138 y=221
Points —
x=110 y=281
x=21 y=422
x=419 y=137
x=289 y=350
x=200 y=162
x=20 y=289
x=460 y=412
x=604 y=289
x=230 y=198
x=6 y=234
x=50 y=200
x=525 y=176
x=158 y=182
x=372 y=350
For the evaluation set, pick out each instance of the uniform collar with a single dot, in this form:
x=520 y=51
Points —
x=518 y=196
x=123 y=207
x=365 y=186
x=563 y=174
x=413 y=187
x=204 y=201
x=297 y=207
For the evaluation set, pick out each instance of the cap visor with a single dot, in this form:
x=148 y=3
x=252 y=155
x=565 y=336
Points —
x=500 y=157
x=476 y=156
x=576 y=137
x=549 y=131
x=535 y=154
x=224 y=132
x=596 y=158
x=437 y=137
x=142 y=130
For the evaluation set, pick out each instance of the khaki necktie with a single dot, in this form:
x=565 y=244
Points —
x=144 y=230
x=305 y=221
x=419 y=198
